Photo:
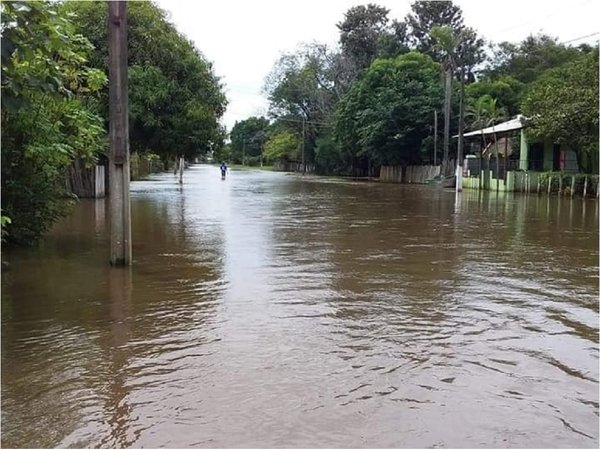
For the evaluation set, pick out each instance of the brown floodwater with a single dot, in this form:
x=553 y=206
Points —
x=271 y=310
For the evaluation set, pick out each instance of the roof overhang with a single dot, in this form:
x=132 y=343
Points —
x=515 y=124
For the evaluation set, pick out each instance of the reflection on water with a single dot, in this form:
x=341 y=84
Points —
x=274 y=310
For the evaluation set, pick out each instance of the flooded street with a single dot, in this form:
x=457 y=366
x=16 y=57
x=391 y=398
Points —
x=271 y=310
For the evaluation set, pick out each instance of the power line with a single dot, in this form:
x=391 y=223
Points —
x=312 y=122
x=582 y=37
x=552 y=13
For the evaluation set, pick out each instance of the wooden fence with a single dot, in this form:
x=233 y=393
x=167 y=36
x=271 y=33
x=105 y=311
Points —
x=409 y=174
x=86 y=182
x=292 y=166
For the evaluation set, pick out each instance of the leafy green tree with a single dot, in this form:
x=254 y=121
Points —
x=247 y=139
x=529 y=59
x=222 y=154
x=366 y=34
x=330 y=158
x=386 y=115
x=282 y=146
x=506 y=90
x=484 y=112
x=360 y=32
x=426 y=15
x=394 y=41
x=303 y=91
x=176 y=100
x=563 y=106
x=49 y=114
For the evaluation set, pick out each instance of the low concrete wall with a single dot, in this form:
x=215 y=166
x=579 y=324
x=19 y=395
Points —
x=488 y=183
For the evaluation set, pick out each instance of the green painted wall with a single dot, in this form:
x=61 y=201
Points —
x=524 y=152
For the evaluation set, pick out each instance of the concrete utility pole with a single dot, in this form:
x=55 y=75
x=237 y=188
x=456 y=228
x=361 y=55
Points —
x=461 y=126
x=181 y=166
x=447 y=112
x=435 y=127
x=120 y=211
x=303 y=144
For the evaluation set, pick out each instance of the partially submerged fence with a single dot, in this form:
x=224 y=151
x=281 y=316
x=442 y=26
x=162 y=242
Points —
x=566 y=184
x=140 y=166
x=409 y=174
x=86 y=182
x=293 y=166
x=92 y=182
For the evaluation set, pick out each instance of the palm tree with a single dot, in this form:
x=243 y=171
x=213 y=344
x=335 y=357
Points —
x=447 y=41
x=462 y=50
x=485 y=113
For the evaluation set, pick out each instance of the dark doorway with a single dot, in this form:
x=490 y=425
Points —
x=556 y=157
x=536 y=156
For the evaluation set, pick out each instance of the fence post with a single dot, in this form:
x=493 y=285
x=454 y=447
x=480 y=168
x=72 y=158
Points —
x=181 y=164
x=585 y=187
x=560 y=184
x=572 y=186
x=549 y=183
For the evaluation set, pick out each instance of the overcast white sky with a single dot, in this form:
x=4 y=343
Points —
x=244 y=38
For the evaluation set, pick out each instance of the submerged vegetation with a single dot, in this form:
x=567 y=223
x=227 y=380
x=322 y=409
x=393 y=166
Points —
x=55 y=101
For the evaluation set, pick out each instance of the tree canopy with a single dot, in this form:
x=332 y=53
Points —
x=55 y=100
x=424 y=16
x=50 y=114
x=386 y=115
x=247 y=139
x=176 y=100
x=530 y=58
x=563 y=106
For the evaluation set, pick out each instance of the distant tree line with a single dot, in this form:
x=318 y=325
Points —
x=370 y=101
x=55 y=101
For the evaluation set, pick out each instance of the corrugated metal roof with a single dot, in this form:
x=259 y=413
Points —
x=510 y=125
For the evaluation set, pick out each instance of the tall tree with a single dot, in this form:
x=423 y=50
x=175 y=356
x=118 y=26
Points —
x=176 y=100
x=282 y=146
x=461 y=51
x=303 y=91
x=485 y=112
x=247 y=139
x=446 y=42
x=563 y=106
x=386 y=115
x=424 y=17
x=360 y=33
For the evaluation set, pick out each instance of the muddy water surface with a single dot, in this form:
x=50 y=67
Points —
x=269 y=310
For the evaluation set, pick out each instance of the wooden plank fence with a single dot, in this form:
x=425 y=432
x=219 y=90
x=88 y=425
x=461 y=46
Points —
x=410 y=174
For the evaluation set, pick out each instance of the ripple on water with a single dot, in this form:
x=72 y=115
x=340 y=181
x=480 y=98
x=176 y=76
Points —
x=307 y=312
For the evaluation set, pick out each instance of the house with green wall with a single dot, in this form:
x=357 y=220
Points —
x=520 y=159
